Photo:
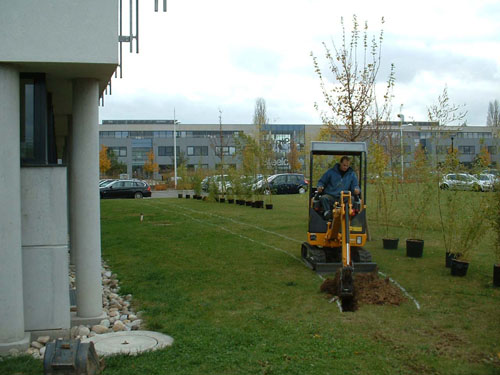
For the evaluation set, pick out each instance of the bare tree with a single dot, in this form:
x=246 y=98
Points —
x=493 y=118
x=444 y=112
x=350 y=100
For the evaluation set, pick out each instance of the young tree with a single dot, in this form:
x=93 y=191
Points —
x=104 y=162
x=350 y=100
x=293 y=157
x=493 y=118
x=444 y=112
x=150 y=166
x=265 y=154
x=483 y=159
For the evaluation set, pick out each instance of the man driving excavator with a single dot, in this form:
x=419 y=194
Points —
x=339 y=178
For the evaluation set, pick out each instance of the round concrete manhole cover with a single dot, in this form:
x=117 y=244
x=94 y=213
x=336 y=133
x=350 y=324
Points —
x=129 y=342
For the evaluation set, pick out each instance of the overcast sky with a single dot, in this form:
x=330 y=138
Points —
x=202 y=56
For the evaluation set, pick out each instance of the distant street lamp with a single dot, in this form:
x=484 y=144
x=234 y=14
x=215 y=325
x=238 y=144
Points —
x=402 y=118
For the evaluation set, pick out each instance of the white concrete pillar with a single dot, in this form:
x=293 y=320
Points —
x=12 y=334
x=85 y=226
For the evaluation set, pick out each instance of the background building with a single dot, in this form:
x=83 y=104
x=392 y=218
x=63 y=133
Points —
x=200 y=145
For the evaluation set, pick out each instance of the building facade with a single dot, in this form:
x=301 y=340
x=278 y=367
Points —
x=200 y=145
x=55 y=64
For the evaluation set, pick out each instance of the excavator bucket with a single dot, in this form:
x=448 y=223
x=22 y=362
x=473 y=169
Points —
x=346 y=285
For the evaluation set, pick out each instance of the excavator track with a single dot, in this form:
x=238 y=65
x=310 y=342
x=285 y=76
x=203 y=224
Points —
x=316 y=259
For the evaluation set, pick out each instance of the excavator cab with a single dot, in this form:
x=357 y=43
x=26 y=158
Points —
x=337 y=243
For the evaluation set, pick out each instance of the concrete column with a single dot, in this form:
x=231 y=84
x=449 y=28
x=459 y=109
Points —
x=12 y=334
x=85 y=226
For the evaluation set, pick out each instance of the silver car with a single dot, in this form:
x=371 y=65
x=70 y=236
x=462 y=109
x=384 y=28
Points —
x=461 y=181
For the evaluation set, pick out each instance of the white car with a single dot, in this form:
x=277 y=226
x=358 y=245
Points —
x=462 y=181
x=487 y=181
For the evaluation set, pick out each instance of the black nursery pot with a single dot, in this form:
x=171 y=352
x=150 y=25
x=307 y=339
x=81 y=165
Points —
x=414 y=248
x=496 y=275
x=459 y=268
x=449 y=258
x=390 y=243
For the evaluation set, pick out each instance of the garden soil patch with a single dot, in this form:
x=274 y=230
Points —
x=369 y=288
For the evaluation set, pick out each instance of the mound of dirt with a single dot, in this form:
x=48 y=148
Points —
x=369 y=288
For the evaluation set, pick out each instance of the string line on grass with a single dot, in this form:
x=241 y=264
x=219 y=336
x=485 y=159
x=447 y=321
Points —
x=246 y=238
x=237 y=222
x=402 y=289
x=236 y=234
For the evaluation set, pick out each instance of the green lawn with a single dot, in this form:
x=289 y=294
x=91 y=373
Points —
x=227 y=284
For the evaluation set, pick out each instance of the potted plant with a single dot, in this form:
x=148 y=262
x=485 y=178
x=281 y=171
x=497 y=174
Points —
x=418 y=189
x=471 y=226
x=259 y=195
x=231 y=177
x=384 y=193
x=213 y=190
x=196 y=179
x=494 y=215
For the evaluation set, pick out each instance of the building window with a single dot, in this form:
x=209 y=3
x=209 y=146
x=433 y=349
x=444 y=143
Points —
x=119 y=151
x=197 y=150
x=226 y=150
x=37 y=133
x=140 y=154
x=492 y=150
x=467 y=150
x=167 y=150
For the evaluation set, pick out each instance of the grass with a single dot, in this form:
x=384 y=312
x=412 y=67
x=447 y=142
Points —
x=227 y=284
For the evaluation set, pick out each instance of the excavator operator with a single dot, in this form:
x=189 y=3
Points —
x=335 y=180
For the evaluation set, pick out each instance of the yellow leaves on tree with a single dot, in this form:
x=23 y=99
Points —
x=104 y=162
x=293 y=157
x=483 y=158
x=150 y=166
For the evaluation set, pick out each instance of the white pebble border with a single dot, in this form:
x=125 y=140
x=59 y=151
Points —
x=120 y=315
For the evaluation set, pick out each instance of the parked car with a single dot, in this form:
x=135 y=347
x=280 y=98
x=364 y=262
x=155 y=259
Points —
x=487 y=180
x=105 y=182
x=462 y=181
x=218 y=179
x=284 y=183
x=125 y=189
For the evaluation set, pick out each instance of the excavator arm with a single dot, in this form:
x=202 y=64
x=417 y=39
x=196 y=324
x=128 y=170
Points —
x=340 y=228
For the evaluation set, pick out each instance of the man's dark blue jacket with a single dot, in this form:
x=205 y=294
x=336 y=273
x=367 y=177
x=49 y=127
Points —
x=333 y=182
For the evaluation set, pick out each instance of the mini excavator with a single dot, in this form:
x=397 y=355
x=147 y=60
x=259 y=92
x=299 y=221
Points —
x=336 y=245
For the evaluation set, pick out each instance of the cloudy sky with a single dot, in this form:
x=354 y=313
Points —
x=202 y=56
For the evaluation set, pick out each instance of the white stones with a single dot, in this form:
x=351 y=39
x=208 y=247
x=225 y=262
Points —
x=119 y=326
x=120 y=317
x=83 y=331
x=36 y=345
x=43 y=339
x=99 y=329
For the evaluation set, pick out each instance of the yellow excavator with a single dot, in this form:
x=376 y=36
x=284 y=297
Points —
x=337 y=244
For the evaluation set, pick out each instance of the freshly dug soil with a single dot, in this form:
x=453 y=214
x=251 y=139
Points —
x=369 y=288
